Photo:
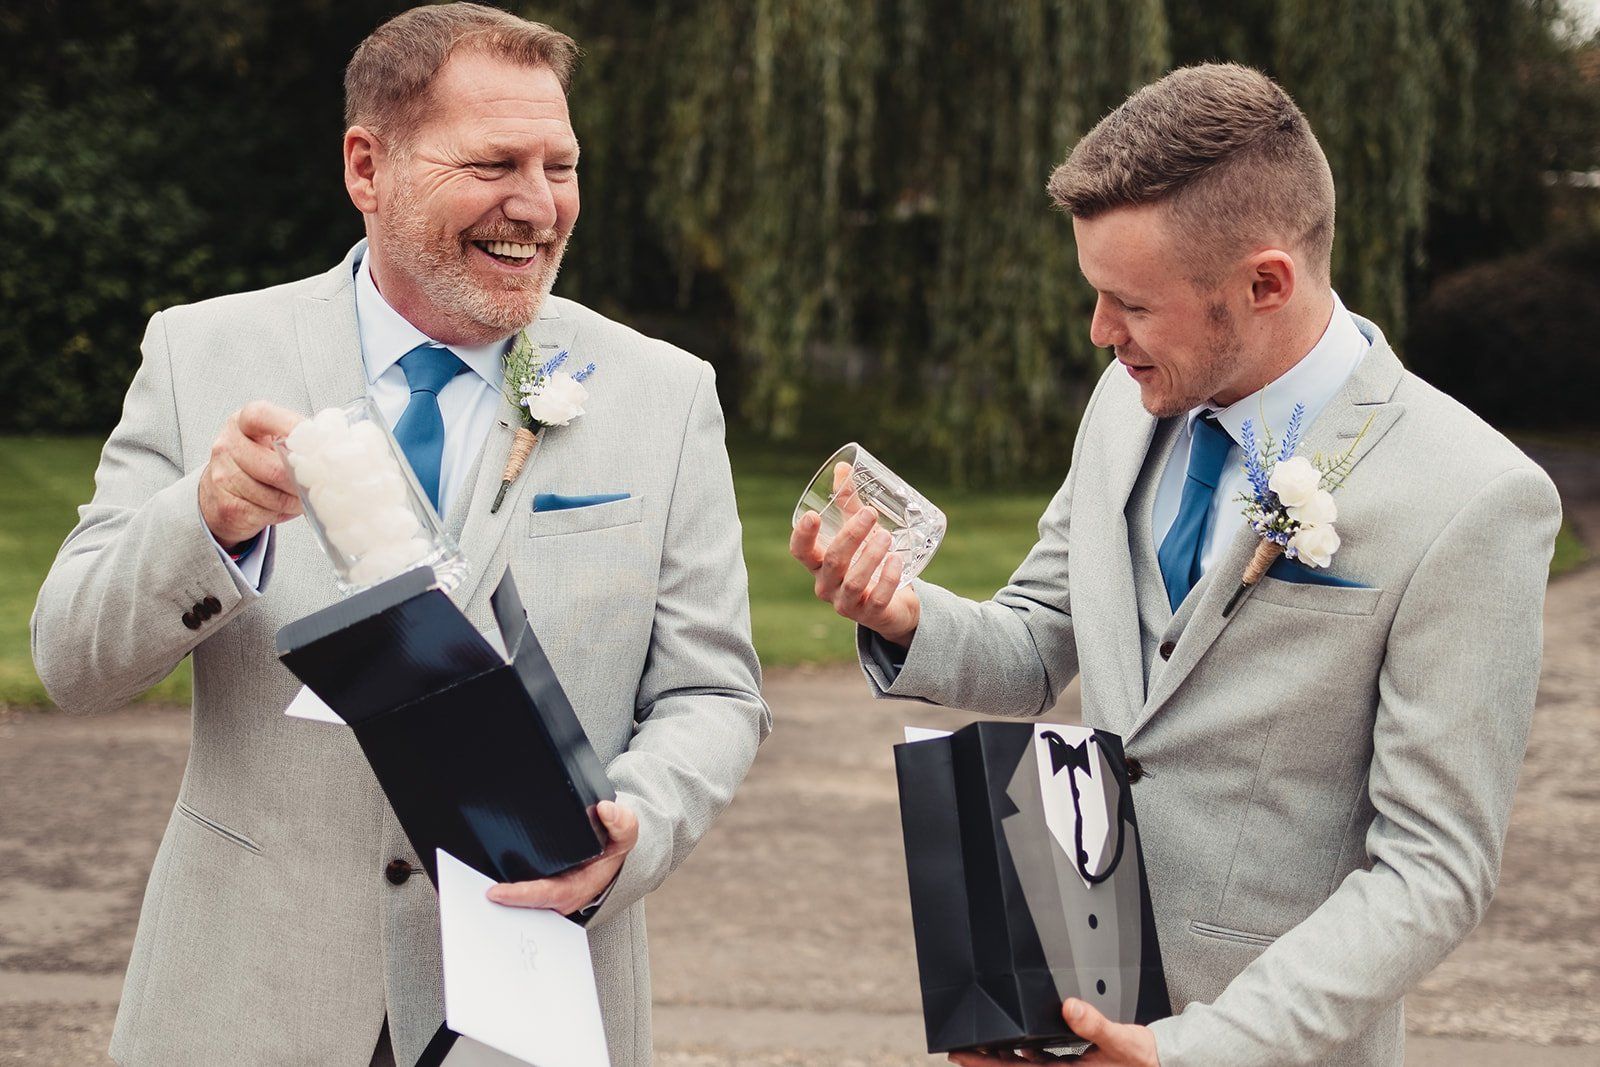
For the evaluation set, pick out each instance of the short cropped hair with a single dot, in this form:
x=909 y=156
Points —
x=1226 y=149
x=387 y=81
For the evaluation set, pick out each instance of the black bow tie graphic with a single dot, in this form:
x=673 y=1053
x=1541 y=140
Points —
x=1065 y=755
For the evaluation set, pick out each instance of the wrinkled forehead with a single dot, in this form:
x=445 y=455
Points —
x=487 y=98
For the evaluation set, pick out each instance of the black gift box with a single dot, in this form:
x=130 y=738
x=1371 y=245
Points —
x=479 y=756
x=1027 y=884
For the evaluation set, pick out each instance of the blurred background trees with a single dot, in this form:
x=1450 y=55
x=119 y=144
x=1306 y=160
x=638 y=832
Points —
x=840 y=203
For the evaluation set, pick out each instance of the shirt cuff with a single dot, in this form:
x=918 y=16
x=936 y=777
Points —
x=246 y=560
x=889 y=658
x=594 y=905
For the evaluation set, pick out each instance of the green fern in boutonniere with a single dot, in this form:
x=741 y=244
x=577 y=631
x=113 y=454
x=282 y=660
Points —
x=544 y=395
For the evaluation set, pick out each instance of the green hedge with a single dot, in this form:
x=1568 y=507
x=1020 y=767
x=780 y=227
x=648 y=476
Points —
x=1518 y=340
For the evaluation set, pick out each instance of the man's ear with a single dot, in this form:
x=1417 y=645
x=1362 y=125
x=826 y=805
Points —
x=1273 y=276
x=362 y=154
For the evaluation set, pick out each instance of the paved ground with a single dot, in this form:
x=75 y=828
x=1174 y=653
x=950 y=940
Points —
x=785 y=939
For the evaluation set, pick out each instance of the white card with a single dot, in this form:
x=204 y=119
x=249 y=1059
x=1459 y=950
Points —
x=307 y=705
x=923 y=733
x=466 y=1052
x=519 y=980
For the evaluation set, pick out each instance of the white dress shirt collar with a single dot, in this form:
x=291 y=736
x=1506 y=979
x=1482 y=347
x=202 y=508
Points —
x=1313 y=381
x=386 y=335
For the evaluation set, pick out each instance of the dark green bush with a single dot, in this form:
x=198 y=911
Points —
x=1518 y=339
x=100 y=234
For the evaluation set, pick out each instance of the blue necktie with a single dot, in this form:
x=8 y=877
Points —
x=1185 y=543
x=420 y=430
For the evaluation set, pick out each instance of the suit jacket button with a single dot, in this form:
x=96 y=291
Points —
x=1135 y=770
x=398 y=871
x=1166 y=649
x=213 y=605
x=191 y=620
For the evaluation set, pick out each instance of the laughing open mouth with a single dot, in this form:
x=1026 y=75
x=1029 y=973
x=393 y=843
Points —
x=508 y=252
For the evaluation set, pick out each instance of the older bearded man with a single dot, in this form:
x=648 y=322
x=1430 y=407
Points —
x=282 y=922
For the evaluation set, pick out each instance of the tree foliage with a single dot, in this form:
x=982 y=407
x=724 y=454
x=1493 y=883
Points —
x=1440 y=119
x=841 y=202
x=866 y=183
x=156 y=152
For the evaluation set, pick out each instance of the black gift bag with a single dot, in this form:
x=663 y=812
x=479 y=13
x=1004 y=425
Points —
x=479 y=754
x=1027 y=884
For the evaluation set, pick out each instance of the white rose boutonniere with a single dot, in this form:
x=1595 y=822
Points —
x=556 y=400
x=1290 y=505
x=1315 y=544
x=544 y=395
x=1318 y=510
x=1295 y=481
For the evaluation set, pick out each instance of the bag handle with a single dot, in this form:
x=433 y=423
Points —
x=1078 y=756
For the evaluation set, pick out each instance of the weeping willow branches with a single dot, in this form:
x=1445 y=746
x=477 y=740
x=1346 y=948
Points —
x=863 y=182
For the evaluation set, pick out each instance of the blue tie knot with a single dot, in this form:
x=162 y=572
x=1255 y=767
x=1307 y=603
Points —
x=429 y=368
x=1208 y=451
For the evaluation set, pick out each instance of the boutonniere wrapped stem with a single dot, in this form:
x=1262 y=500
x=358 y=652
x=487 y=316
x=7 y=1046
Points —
x=1290 y=503
x=544 y=395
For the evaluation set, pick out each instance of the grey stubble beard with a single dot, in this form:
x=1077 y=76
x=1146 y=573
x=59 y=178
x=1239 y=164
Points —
x=437 y=265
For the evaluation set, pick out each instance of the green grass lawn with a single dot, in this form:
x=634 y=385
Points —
x=1570 y=552
x=47 y=478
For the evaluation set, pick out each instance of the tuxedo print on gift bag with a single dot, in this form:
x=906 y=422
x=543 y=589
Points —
x=1069 y=782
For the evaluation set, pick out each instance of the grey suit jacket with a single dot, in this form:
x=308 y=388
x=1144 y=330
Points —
x=269 y=933
x=1330 y=769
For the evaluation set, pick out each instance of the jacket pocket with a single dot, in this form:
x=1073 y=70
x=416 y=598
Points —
x=1337 y=599
x=582 y=520
x=220 y=830
x=1222 y=933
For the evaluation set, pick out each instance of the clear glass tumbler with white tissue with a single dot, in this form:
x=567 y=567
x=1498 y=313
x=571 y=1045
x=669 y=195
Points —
x=363 y=502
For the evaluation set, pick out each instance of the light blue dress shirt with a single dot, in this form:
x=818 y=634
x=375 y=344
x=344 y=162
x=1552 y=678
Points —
x=1313 y=381
x=469 y=403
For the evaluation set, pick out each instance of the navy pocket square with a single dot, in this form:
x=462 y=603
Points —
x=557 y=502
x=1288 y=570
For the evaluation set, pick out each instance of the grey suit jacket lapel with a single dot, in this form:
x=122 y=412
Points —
x=1115 y=687
x=1365 y=396
x=481 y=532
x=329 y=338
